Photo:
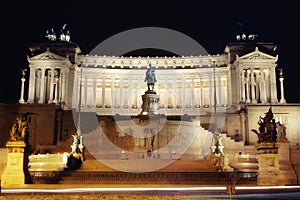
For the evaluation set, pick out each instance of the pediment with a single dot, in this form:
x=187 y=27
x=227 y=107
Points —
x=48 y=55
x=257 y=55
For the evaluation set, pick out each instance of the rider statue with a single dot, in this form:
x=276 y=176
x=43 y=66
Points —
x=150 y=78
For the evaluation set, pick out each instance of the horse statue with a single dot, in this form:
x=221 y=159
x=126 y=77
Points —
x=150 y=77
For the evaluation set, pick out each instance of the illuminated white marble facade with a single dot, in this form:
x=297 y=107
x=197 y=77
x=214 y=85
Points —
x=186 y=85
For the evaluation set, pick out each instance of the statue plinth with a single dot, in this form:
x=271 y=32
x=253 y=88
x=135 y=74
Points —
x=267 y=148
x=268 y=164
x=14 y=176
x=150 y=105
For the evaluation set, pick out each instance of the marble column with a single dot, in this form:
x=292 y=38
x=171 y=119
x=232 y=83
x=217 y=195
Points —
x=165 y=101
x=56 y=89
x=273 y=85
x=174 y=93
x=64 y=75
x=201 y=92
x=94 y=102
x=219 y=93
x=228 y=98
x=21 y=100
x=211 y=92
x=51 y=85
x=61 y=85
x=76 y=88
x=42 y=86
x=183 y=92
x=47 y=85
x=282 y=99
x=192 y=92
x=112 y=96
x=243 y=97
x=31 y=89
x=121 y=97
x=253 y=96
x=103 y=92
x=130 y=90
x=263 y=96
x=247 y=86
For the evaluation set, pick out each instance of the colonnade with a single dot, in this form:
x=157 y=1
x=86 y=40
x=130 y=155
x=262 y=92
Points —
x=111 y=90
x=47 y=85
x=258 y=85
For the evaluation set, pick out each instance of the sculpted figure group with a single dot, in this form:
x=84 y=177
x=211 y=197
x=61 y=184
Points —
x=267 y=128
x=19 y=127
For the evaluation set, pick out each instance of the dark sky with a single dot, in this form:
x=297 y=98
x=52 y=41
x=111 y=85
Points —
x=212 y=24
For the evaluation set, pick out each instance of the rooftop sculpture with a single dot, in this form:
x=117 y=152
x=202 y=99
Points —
x=64 y=34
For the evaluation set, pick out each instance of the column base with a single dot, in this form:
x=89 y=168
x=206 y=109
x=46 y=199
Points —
x=30 y=101
x=254 y=101
x=274 y=101
x=282 y=101
x=21 y=101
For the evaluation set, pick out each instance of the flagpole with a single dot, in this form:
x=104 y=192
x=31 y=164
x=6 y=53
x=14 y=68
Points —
x=79 y=104
x=215 y=98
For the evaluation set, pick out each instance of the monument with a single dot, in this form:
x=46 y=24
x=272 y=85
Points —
x=217 y=154
x=16 y=173
x=150 y=99
x=21 y=100
x=150 y=109
x=268 y=159
x=76 y=157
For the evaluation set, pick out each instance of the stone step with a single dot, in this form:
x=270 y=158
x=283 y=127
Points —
x=179 y=178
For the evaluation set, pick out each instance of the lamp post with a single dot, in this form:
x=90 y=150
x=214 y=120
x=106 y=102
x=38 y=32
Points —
x=217 y=147
x=216 y=132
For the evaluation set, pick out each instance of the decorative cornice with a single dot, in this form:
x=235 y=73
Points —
x=156 y=62
x=257 y=55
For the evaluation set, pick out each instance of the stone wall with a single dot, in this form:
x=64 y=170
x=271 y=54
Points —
x=43 y=126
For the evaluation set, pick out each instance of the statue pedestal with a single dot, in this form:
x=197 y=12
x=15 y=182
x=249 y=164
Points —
x=150 y=104
x=14 y=176
x=285 y=164
x=268 y=165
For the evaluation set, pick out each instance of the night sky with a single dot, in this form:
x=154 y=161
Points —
x=212 y=24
